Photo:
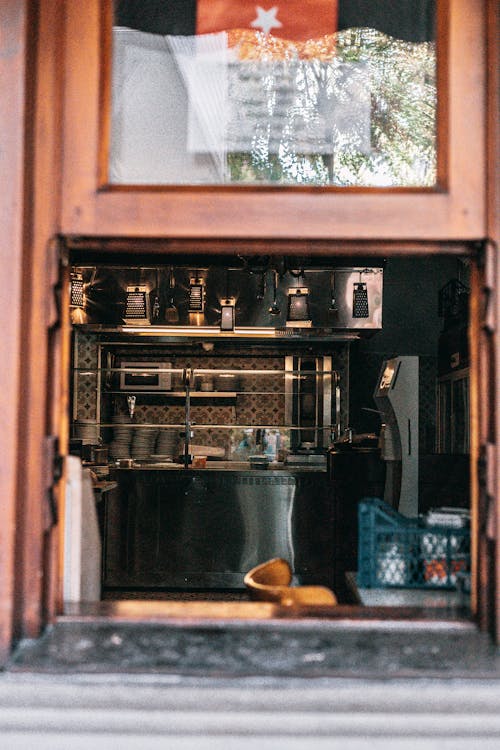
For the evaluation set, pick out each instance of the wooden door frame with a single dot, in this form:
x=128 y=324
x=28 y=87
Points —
x=32 y=70
x=13 y=19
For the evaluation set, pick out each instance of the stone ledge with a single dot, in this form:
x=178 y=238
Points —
x=264 y=649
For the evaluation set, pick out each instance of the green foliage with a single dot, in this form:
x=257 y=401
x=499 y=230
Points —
x=401 y=78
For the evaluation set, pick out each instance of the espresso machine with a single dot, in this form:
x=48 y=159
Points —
x=397 y=398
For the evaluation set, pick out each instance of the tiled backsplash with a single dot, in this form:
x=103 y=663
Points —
x=261 y=404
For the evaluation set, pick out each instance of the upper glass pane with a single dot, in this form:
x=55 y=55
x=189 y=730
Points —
x=309 y=93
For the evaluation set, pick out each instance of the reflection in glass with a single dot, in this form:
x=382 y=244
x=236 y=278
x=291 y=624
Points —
x=267 y=104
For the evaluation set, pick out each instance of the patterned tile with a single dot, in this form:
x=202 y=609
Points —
x=260 y=400
x=86 y=382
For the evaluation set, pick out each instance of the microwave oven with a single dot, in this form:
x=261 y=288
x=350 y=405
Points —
x=145 y=376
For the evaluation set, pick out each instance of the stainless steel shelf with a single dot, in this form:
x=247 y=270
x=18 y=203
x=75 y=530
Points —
x=177 y=394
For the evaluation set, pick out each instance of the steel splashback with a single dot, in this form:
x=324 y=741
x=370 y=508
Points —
x=332 y=301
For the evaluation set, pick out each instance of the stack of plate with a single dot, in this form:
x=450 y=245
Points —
x=87 y=430
x=122 y=437
x=166 y=443
x=143 y=442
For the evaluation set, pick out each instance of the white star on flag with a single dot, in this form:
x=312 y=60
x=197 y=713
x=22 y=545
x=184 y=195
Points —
x=292 y=20
x=266 y=19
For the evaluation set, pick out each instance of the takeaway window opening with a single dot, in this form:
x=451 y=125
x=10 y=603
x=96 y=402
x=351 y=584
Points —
x=279 y=438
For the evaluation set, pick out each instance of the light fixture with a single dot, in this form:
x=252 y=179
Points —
x=298 y=313
x=137 y=306
x=196 y=295
x=76 y=295
x=227 y=314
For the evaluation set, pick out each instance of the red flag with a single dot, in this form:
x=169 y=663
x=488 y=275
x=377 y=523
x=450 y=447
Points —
x=298 y=20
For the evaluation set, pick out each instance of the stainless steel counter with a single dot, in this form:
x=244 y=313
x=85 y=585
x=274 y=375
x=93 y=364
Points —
x=232 y=466
x=205 y=528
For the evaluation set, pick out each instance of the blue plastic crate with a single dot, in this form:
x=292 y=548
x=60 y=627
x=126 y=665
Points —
x=395 y=551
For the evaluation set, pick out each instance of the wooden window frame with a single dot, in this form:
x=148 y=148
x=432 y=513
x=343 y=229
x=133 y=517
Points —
x=454 y=210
